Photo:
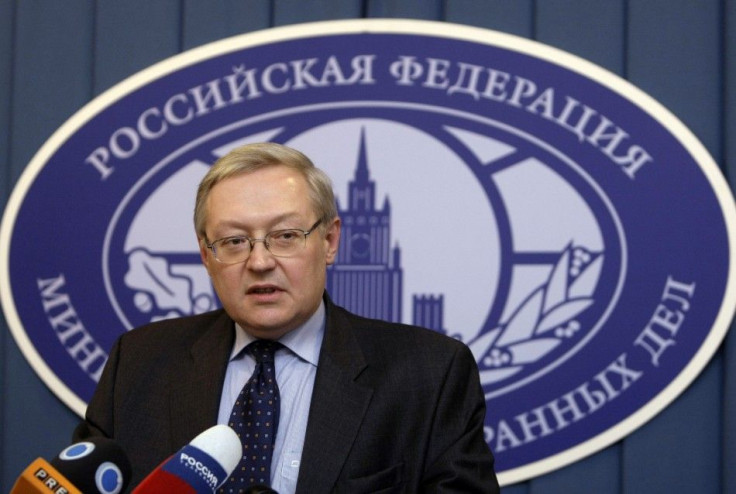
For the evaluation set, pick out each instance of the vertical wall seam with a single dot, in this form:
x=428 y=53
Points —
x=11 y=91
x=625 y=39
x=180 y=34
x=723 y=81
x=93 y=63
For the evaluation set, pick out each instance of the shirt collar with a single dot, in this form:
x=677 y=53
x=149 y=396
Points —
x=304 y=341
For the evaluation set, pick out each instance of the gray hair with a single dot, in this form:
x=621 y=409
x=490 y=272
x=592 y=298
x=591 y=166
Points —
x=252 y=157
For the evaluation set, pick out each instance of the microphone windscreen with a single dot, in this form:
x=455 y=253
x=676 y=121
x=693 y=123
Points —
x=221 y=443
x=95 y=465
x=201 y=466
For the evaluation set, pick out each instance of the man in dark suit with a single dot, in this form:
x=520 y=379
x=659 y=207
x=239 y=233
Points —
x=366 y=405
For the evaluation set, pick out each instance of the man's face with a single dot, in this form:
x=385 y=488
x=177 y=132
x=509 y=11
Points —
x=267 y=295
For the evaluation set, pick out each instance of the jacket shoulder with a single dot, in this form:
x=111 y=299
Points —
x=180 y=328
x=391 y=337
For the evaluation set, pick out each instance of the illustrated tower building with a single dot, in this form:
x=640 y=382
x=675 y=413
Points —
x=367 y=276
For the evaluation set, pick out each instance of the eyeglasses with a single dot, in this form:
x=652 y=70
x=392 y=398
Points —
x=280 y=243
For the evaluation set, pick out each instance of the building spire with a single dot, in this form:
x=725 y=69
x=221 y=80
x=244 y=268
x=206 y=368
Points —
x=361 y=189
x=361 y=172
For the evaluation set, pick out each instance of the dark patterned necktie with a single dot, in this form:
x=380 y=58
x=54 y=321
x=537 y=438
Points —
x=255 y=419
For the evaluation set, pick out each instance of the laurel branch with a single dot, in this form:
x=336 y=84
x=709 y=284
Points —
x=542 y=321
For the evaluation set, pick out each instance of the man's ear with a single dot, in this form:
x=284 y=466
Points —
x=203 y=253
x=332 y=240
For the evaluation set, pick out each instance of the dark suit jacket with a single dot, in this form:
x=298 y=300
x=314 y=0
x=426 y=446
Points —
x=394 y=409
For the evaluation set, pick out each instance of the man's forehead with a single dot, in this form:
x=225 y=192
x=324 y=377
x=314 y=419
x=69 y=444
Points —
x=262 y=170
x=273 y=193
x=263 y=180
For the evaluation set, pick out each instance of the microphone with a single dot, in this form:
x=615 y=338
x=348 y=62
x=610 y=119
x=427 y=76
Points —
x=95 y=465
x=200 y=467
x=39 y=477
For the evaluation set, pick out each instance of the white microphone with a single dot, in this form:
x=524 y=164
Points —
x=200 y=467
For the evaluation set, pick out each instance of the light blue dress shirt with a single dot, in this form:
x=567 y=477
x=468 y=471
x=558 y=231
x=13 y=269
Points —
x=296 y=367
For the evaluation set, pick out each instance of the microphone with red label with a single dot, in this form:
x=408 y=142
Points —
x=200 y=467
x=95 y=465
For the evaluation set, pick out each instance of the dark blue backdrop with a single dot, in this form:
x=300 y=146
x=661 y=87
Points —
x=57 y=56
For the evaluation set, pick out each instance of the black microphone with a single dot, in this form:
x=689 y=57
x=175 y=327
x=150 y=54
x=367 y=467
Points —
x=95 y=465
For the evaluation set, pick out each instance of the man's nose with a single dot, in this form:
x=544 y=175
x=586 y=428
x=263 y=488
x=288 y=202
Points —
x=260 y=257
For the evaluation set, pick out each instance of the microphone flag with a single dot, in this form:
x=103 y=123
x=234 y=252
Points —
x=40 y=477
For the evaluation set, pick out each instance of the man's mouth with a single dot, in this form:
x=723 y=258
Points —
x=262 y=290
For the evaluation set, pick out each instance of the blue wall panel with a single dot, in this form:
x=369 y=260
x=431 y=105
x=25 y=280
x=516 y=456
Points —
x=414 y=9
x=509 y=17
x=294 y=11
x=203 y=22
x=55 y=56
x=598 y=35
x=679 y=65
x=131 y=35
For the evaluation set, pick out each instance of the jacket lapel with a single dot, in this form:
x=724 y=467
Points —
x=337 y=408
x=195 y=391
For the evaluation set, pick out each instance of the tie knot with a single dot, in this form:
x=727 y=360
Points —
x=264 y=350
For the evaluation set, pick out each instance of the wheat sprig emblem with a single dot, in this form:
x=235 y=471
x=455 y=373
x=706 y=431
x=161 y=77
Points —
x=543 y=320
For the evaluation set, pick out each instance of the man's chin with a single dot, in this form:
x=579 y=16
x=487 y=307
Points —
x=271 y=327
